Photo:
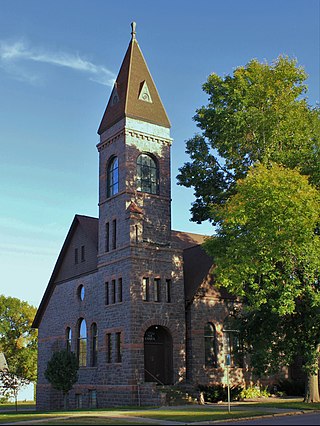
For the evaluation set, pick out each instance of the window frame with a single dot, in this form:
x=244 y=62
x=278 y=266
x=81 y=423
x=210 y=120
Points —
x=168 y=290
x=120 y=290
x=109 y=348
x=210 y=345
x=114 y=234
x=113 y=292
x=146 y=289
x=94 y=345
x=82 y=344
x=68 y=339
x=147 y=174
x=112 y=176
x=118 y=348
x=157 y=289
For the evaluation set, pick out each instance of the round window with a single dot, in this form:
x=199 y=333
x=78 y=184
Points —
x=81 y=292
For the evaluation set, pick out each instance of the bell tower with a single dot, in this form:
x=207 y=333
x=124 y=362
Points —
x=134 y=148
x=135 y=250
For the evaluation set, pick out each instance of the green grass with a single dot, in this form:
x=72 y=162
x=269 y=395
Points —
x=135 y=415
x=92 y=421
x=287 y=404
x=24 y=405
x=119 y=417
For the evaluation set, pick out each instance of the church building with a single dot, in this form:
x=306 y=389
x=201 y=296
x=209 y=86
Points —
x=130 y=296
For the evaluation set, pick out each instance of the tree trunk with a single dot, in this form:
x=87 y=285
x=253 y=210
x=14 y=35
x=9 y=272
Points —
x=65 y=401
x=16 y=399
x=312 y=388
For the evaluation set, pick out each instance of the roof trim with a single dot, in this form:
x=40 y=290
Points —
x=51 y=285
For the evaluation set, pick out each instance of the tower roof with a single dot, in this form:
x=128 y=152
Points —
x=134 y=93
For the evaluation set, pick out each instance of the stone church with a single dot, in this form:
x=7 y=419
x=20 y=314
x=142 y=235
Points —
x=130 y=296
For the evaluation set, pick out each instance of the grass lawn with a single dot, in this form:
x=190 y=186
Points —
x=194 y=414
x=186 y=414
x=290 y=403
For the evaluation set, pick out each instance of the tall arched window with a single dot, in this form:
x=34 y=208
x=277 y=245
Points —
x=233 y=348
x=68 y=339
x=94 y=345
x=210 y=345
x=147 y=174
x=82 y=343
x=113 y=177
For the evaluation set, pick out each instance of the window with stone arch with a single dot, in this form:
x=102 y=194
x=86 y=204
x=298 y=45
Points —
x=232 y=343
x=112 y=177
x=210 y=345
x=147 y=174
x=82 y=343
x=94 y=345
x=68 y=339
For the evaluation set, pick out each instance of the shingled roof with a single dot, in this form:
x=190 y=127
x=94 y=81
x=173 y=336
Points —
x=89 y=225
x=134 y=93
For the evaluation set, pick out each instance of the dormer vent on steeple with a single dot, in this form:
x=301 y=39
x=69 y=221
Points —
x=134 y=93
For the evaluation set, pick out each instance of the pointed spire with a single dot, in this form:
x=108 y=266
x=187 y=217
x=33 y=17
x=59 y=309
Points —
x=134 y=94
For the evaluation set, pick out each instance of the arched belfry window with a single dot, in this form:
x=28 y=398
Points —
x=210 y=345
x=82 y=343
x=147 y=174
x=113 y=177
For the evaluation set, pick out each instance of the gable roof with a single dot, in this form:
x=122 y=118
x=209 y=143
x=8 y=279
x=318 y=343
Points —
x=134 y=93
x=89 y=226
x=185 y=240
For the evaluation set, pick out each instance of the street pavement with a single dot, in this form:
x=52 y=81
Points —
x=291 y=419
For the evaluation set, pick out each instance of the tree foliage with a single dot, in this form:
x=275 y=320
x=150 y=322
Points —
x=266 y=248
x=18 y=341
x=266 y=251
x=260 y=114
x=62 y=370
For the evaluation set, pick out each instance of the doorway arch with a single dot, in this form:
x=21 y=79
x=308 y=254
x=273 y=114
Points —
x=158 y=362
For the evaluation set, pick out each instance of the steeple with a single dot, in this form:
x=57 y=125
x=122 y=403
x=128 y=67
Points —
x=134 y=93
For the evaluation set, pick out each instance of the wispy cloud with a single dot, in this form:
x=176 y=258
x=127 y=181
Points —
x=16 y=53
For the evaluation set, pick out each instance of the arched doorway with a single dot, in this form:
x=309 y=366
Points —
x=158 y=355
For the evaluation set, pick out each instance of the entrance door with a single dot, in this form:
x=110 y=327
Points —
x=158 y=355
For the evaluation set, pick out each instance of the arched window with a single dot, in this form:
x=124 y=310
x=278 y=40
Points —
x=113 y=177
x=232 y=345
x=94 y=345
x=81 y=292
x=210 y=345
x=82 y=343
x=68 y=339
x=147 y=174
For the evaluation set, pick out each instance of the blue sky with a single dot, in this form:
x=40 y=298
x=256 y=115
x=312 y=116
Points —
x=57 y=63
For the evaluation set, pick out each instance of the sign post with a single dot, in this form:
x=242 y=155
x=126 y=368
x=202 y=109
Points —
x=228 y=363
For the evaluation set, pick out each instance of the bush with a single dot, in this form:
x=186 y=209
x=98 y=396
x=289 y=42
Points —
x=216 y=393
x=254 y=392
x=290 y=387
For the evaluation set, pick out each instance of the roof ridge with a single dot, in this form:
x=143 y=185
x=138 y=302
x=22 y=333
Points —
x=84 y=215
x=129 y=74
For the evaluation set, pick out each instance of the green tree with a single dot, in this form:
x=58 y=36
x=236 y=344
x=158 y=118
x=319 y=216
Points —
x=11 y=384
x=261 y=113
x=62 y=371
x=18 y=341
x=267 y=251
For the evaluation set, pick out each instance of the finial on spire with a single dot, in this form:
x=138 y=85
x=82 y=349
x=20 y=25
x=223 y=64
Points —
x=133 y=32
